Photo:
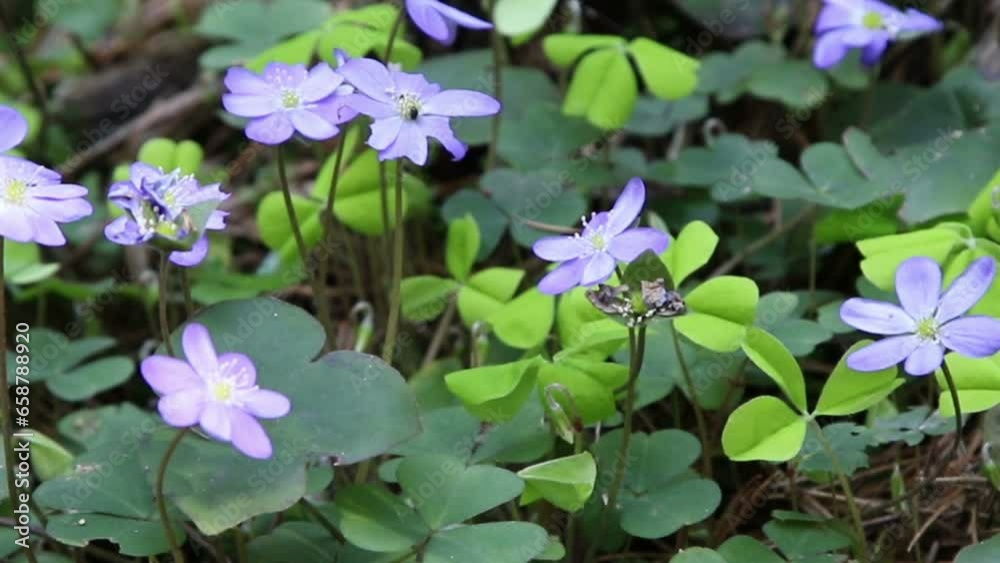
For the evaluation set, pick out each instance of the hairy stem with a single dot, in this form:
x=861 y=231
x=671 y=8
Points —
x=953 y=391
x=319 y=291
x=328 y=227
x=637 y=350
x=845 y=486
x=396 y=25
x=161 y=501
x=496 y=40
x=164 y=319
x=5 y=407
x=392 y=328
x=699 y=415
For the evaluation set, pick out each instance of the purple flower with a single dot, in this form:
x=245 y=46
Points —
x=868 y=25
x=33 y=200
x=13 y=128
x=158 y=204
x=929 y=322
x=285 y=99
x=407 y=110
x=590 y=257
x=441 y=21
x=219 y=393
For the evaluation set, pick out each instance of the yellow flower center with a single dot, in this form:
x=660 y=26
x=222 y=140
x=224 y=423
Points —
x=928 y=329
x=16 y=192
x=290 y=99
x=599 y=242
x=873 y=20
x=222 y=391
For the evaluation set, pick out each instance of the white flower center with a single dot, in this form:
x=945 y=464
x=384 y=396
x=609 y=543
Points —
x=15 y=192
x=409 y=105
x=222 y=391
x=597 y=240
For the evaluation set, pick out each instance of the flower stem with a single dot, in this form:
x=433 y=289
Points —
x=699 y=415
x=6 y=414
x=328 y=225
x=496 y=41
x=319 y=291
x=845 y=486
x=164 y=319
x=161 y=503
x=637 y=352
x=36 y=89
x=392 y=35
x=188 y=301
x=392 y=328
x=953 y=390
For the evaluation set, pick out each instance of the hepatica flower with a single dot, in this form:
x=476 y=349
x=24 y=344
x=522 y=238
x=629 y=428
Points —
x=928 y=322
x=217 y=392
x=164 y=205
x=868 y=25
x=441 y=21
x=285 y=99
x=33 y=199
x=608 y=237
x=407 y=110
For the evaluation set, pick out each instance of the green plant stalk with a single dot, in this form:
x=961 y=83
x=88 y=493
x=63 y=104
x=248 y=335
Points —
x=328 y=226
x=845 y=486
x=392 y=328
x=37 y=92
x=953 y=391
x=319 y=291
x=393 y=33
x=699 y=415
x=161 y=502
x=164 y=319
x=8 y=431
x=496 y=41
x=637 y=350
x=186 y=286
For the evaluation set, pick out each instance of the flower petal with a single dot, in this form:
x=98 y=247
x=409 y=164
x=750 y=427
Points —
x=883 y=354
x=967 y=289
x=264 y=403
x=320 y=83
x=384 y=132
x=312 y=125
x=564 y=278
x=193 y=257
x=876 y=317
x=283 y=75
x=915 y=21
x=183 y=408
x=834 y=16
x=976 y=336
x=122 y=230
x=829 y=50
x=373 y=108
x=461 y=103
x=199 y=349
x=558 y=249
x=628 y=207
x=599 y=268
x=47 y=232
x=249 y=105
x=918 y=286
x=872 y=53
x=271 y=130
x=249 y=437
x=459 y=17
x=240 y=80
x=369 y=76
x=239 y=367
x=61 y=210
x=411 y=143
x=216 y=422
x=13 y=128
x=15 y=225
x=440 y=128
x=168 y=375
x=627 y=246
x=430 y=20
x=925 y=359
